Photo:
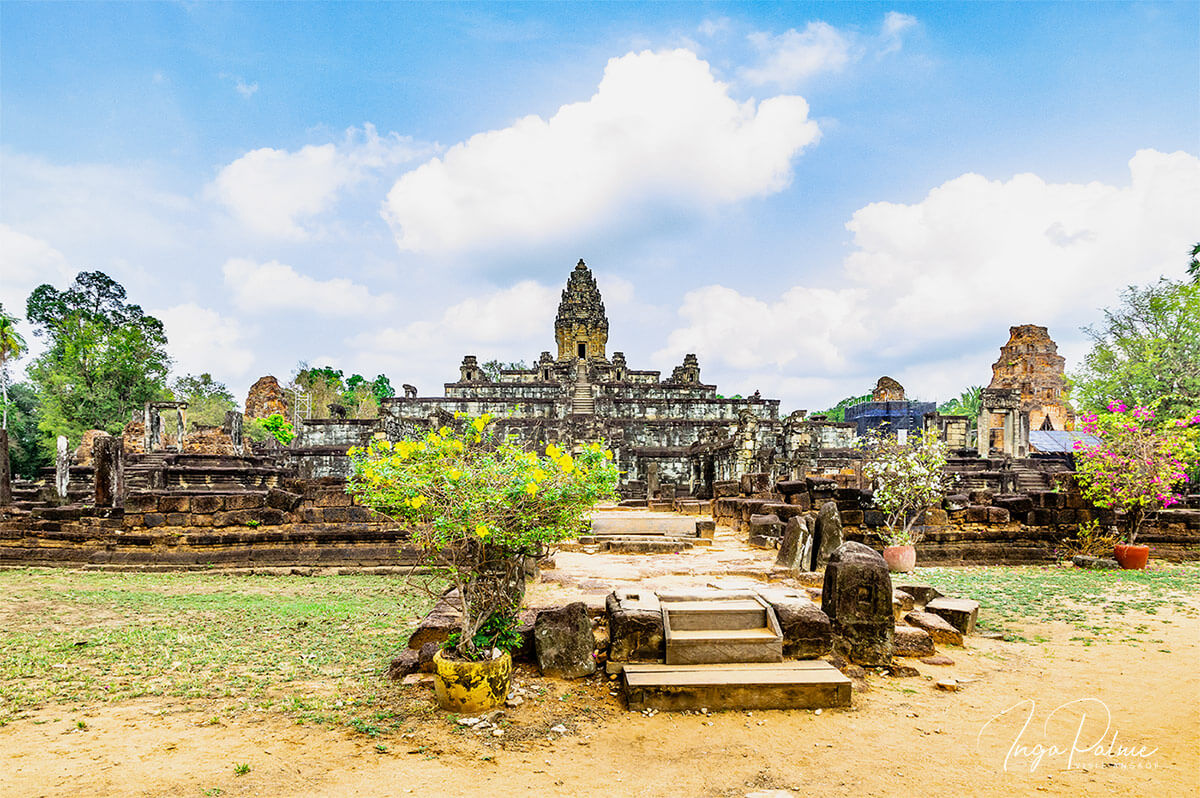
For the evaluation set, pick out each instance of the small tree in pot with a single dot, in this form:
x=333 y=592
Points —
x=479 y=505
x=1135 y=467
x=908 y=478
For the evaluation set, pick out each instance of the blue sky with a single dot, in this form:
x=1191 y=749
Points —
x=808 y=196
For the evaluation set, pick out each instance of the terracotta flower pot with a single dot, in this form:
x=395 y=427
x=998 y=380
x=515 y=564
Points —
x=1131 y=558
x=900 y=559
x=470 y=687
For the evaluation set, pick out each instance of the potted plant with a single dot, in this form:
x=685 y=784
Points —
x=907 y=478
x=479 y=504
x=1134 y=468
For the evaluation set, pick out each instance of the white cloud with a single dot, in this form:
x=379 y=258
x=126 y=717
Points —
x=247 y=90
x=791 y=57
x=278 y=193
x=660 y=132
x=713 y=27
x=25 y=263
x=274 y=286
x=201 y=340
x=514 y=322
x=974 y=257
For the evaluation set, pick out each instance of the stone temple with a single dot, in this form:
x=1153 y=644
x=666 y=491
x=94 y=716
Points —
x=672 y=431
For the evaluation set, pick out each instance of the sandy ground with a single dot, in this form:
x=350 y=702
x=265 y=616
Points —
x=1056 y=718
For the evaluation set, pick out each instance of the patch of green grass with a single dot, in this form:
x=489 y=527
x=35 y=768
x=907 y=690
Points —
x=1100 y=603
x=241 y=769
x=314 y=647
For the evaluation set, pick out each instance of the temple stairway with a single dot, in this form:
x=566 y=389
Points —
x=726 y=652
x=582 y=403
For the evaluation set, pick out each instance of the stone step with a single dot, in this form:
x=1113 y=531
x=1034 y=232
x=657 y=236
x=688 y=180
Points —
x=714 y=615
x=806 y=684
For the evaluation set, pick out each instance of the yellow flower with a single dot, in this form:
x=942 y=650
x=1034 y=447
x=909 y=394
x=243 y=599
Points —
x=417 y=502
x=538 y=474
x=454 y=474
x=566 y=464
x=479 y=424
x=481 y=530
x=608 y=455
x=553 y=452
x=444 y=432
x=456 y=445
x=531 y=488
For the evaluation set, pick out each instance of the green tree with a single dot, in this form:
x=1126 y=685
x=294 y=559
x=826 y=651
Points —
x=492 y=368
x=104 y=357
x=838 y=411
x=1146 y=352
x=1194 y=264
x=968 y=404
x=25 y=455
x=208 y=400
x=11 y=347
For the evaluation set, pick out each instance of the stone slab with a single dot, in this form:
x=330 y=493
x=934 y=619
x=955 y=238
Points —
x=809 y=684
x=959 y=613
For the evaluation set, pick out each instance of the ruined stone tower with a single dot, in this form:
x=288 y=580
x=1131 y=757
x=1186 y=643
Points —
x=1030 y=363
x=581 y=328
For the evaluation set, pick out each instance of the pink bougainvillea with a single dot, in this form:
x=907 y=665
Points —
x=1139 y=465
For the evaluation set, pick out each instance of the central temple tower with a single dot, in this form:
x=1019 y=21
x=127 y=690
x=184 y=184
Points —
x=581 y=328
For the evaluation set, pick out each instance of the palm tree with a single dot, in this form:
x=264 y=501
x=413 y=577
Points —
x=1194 y=266
x=11 y=347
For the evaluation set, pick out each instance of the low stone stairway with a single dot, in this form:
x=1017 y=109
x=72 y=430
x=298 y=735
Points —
x=721 y=630
x=583 y=403
x=726 y=652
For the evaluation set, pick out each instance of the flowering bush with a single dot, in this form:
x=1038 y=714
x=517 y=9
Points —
x=908 y=479
x=1138 y=462
x=479 y=504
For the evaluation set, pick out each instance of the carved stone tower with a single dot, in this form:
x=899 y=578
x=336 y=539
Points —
x=581 y=328
x=1030 y=363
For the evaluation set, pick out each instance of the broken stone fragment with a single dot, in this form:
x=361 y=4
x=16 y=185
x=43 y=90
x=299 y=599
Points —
x=913 y=642
x=923 y=594
x=959 y=613
x=939 y=629
x=563 y=640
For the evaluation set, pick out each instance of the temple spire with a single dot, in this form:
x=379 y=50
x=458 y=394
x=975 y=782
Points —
x=581 y=327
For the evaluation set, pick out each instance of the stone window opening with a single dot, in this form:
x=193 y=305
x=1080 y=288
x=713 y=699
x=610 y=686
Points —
x=582 y=349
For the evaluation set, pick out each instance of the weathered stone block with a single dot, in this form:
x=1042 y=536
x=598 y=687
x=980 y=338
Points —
x=807 y=632
x=956 y=501
x=1098 y=563
x=207 y=504
x=141 y=503
x=983 y=497
x=853 y=517
x=923 y=594
x=244 y=501
x=828 y=533
x=997 y=515
x=977 y=514
x=911 y=641
x=935 y=516
x=1016 y=505
x=283 y=500
x=404 y=663
x=801 y=500
x=791 y=487
x=333 y=498
x=436 y=626
x=857 y=598
x=635 y=627
x=174 y=504
x=176 y=519
x=939 y=629
x=563 y=640
x=150 y=520
x=789 y=546
x=959 y=613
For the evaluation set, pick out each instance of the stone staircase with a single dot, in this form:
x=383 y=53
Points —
x=726 y=652
x=583 y=403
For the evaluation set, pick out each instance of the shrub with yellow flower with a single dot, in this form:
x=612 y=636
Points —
x=478 y=504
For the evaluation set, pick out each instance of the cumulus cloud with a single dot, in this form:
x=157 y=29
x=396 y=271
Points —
x=278 y=193
x=660 y=132
x=201 y=340
x=25 y=263
x=970 y=259
x=274 y=286
x=789 y=58
x=247 y=90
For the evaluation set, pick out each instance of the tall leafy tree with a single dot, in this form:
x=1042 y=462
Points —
x=968 y=404
x=208 y=400
x=104 y=357
x=11 y=347
x=1194 y=264
x=838 y=411
x=1146 y=352
x=25 y=454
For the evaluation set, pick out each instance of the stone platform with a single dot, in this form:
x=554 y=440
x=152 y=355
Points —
x=804 y=684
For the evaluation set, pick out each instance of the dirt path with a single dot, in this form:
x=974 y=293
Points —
x=900 y=737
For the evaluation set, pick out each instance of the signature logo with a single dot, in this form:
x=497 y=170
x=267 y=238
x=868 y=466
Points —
x=1077 y=734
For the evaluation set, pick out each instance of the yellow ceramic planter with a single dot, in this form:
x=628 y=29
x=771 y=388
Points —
x=470 y=687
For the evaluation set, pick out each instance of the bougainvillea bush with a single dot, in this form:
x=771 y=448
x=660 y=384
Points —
x=908 y=478
x=479 y=504
x=1139 y=465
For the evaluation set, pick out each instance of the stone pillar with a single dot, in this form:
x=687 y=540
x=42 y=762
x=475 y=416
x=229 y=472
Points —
x=857 y=597
x=62 y=467
x=180 y=426
x=651 y=479
x=153 y=431
x=983 y=432
x=1022 y=443
x=233 y=428
x=108 y=458
x=5 y=471
x=1008 y=436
